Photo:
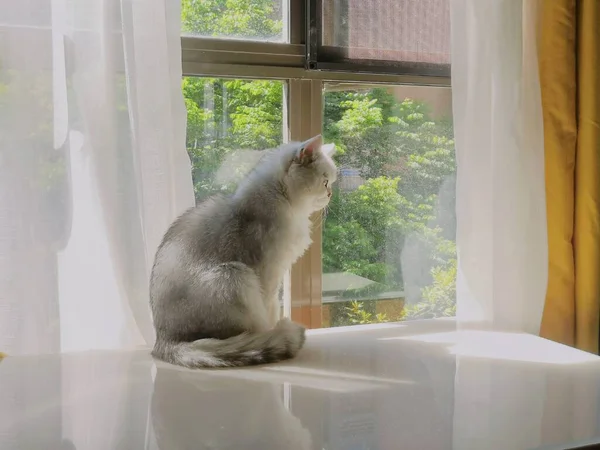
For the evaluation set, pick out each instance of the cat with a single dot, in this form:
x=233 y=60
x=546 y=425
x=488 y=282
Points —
x=242 y=413
x=214 y=286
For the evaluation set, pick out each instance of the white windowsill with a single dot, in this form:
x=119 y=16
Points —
x=419 y=383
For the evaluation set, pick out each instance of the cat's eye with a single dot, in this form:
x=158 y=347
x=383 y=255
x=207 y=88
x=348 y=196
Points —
x=326 y=182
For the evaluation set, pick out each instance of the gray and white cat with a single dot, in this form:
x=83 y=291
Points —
x=216 y=276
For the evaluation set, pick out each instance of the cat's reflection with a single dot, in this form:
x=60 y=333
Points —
x=200 y=410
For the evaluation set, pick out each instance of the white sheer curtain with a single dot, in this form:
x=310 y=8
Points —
x=501 y=214
x=501 y=209
x=93 y=168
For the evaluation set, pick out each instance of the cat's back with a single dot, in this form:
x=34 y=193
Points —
x=221 y=229
x=200 y=225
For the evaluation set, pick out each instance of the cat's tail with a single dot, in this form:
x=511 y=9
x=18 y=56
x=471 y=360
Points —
x=247 y=349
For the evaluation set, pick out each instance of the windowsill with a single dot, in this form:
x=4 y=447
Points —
x=421 y=383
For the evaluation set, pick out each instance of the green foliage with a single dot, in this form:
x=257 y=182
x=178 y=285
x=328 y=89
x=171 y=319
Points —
x=359 y=122
x=368 y=218
x=249 y=19
x=357 y=315
x=439 y=299
x=337 y=255
x=360 y=116
x=256 y=113
x=404 y=157
x=228 y=115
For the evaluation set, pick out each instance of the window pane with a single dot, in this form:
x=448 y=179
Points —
x=224 y=116
x=260 y=20
x=408 y=31
x=389 y=235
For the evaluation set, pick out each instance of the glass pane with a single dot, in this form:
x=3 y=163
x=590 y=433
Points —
x=224 y=116
x=259 y=20
x=388 y=236
x=390 y=30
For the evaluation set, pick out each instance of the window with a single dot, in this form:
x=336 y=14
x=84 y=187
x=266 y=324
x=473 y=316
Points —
x=261 y=20
x=388 y=236
x=385 y=250
x=228 y=121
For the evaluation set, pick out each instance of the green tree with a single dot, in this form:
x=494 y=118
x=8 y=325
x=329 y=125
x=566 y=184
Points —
x=359 y=124
x=228 y=115
x=439 y=298
x=249 y=19
x=404 y=156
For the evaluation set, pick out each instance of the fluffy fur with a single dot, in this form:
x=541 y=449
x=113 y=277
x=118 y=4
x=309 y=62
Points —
x=216 y=276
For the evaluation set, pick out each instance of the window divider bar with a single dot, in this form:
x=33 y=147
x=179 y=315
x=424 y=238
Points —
x=280 y=72
x=313 y=32
x=305 y=121
x=297 y=22
x=199 y=43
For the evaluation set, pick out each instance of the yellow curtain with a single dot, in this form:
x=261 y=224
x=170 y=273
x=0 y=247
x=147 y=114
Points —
x=569 y=59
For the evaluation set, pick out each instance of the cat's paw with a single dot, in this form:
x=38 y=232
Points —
x=295 y=334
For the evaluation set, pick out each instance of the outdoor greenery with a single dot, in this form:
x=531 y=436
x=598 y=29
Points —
x=357 y=314
x=403 y=155
x=249 y=19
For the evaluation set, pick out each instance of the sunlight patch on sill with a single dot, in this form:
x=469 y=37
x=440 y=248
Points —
x=497 y=345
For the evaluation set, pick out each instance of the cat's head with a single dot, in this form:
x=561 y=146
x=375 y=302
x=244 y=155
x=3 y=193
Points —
x=310 y=173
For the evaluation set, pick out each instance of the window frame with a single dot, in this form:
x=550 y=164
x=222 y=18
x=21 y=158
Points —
x=229 y=58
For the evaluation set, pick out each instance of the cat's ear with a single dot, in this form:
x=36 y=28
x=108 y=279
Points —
x=308 y=150
x=328 y=149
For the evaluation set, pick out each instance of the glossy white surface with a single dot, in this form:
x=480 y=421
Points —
x=399 y=386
